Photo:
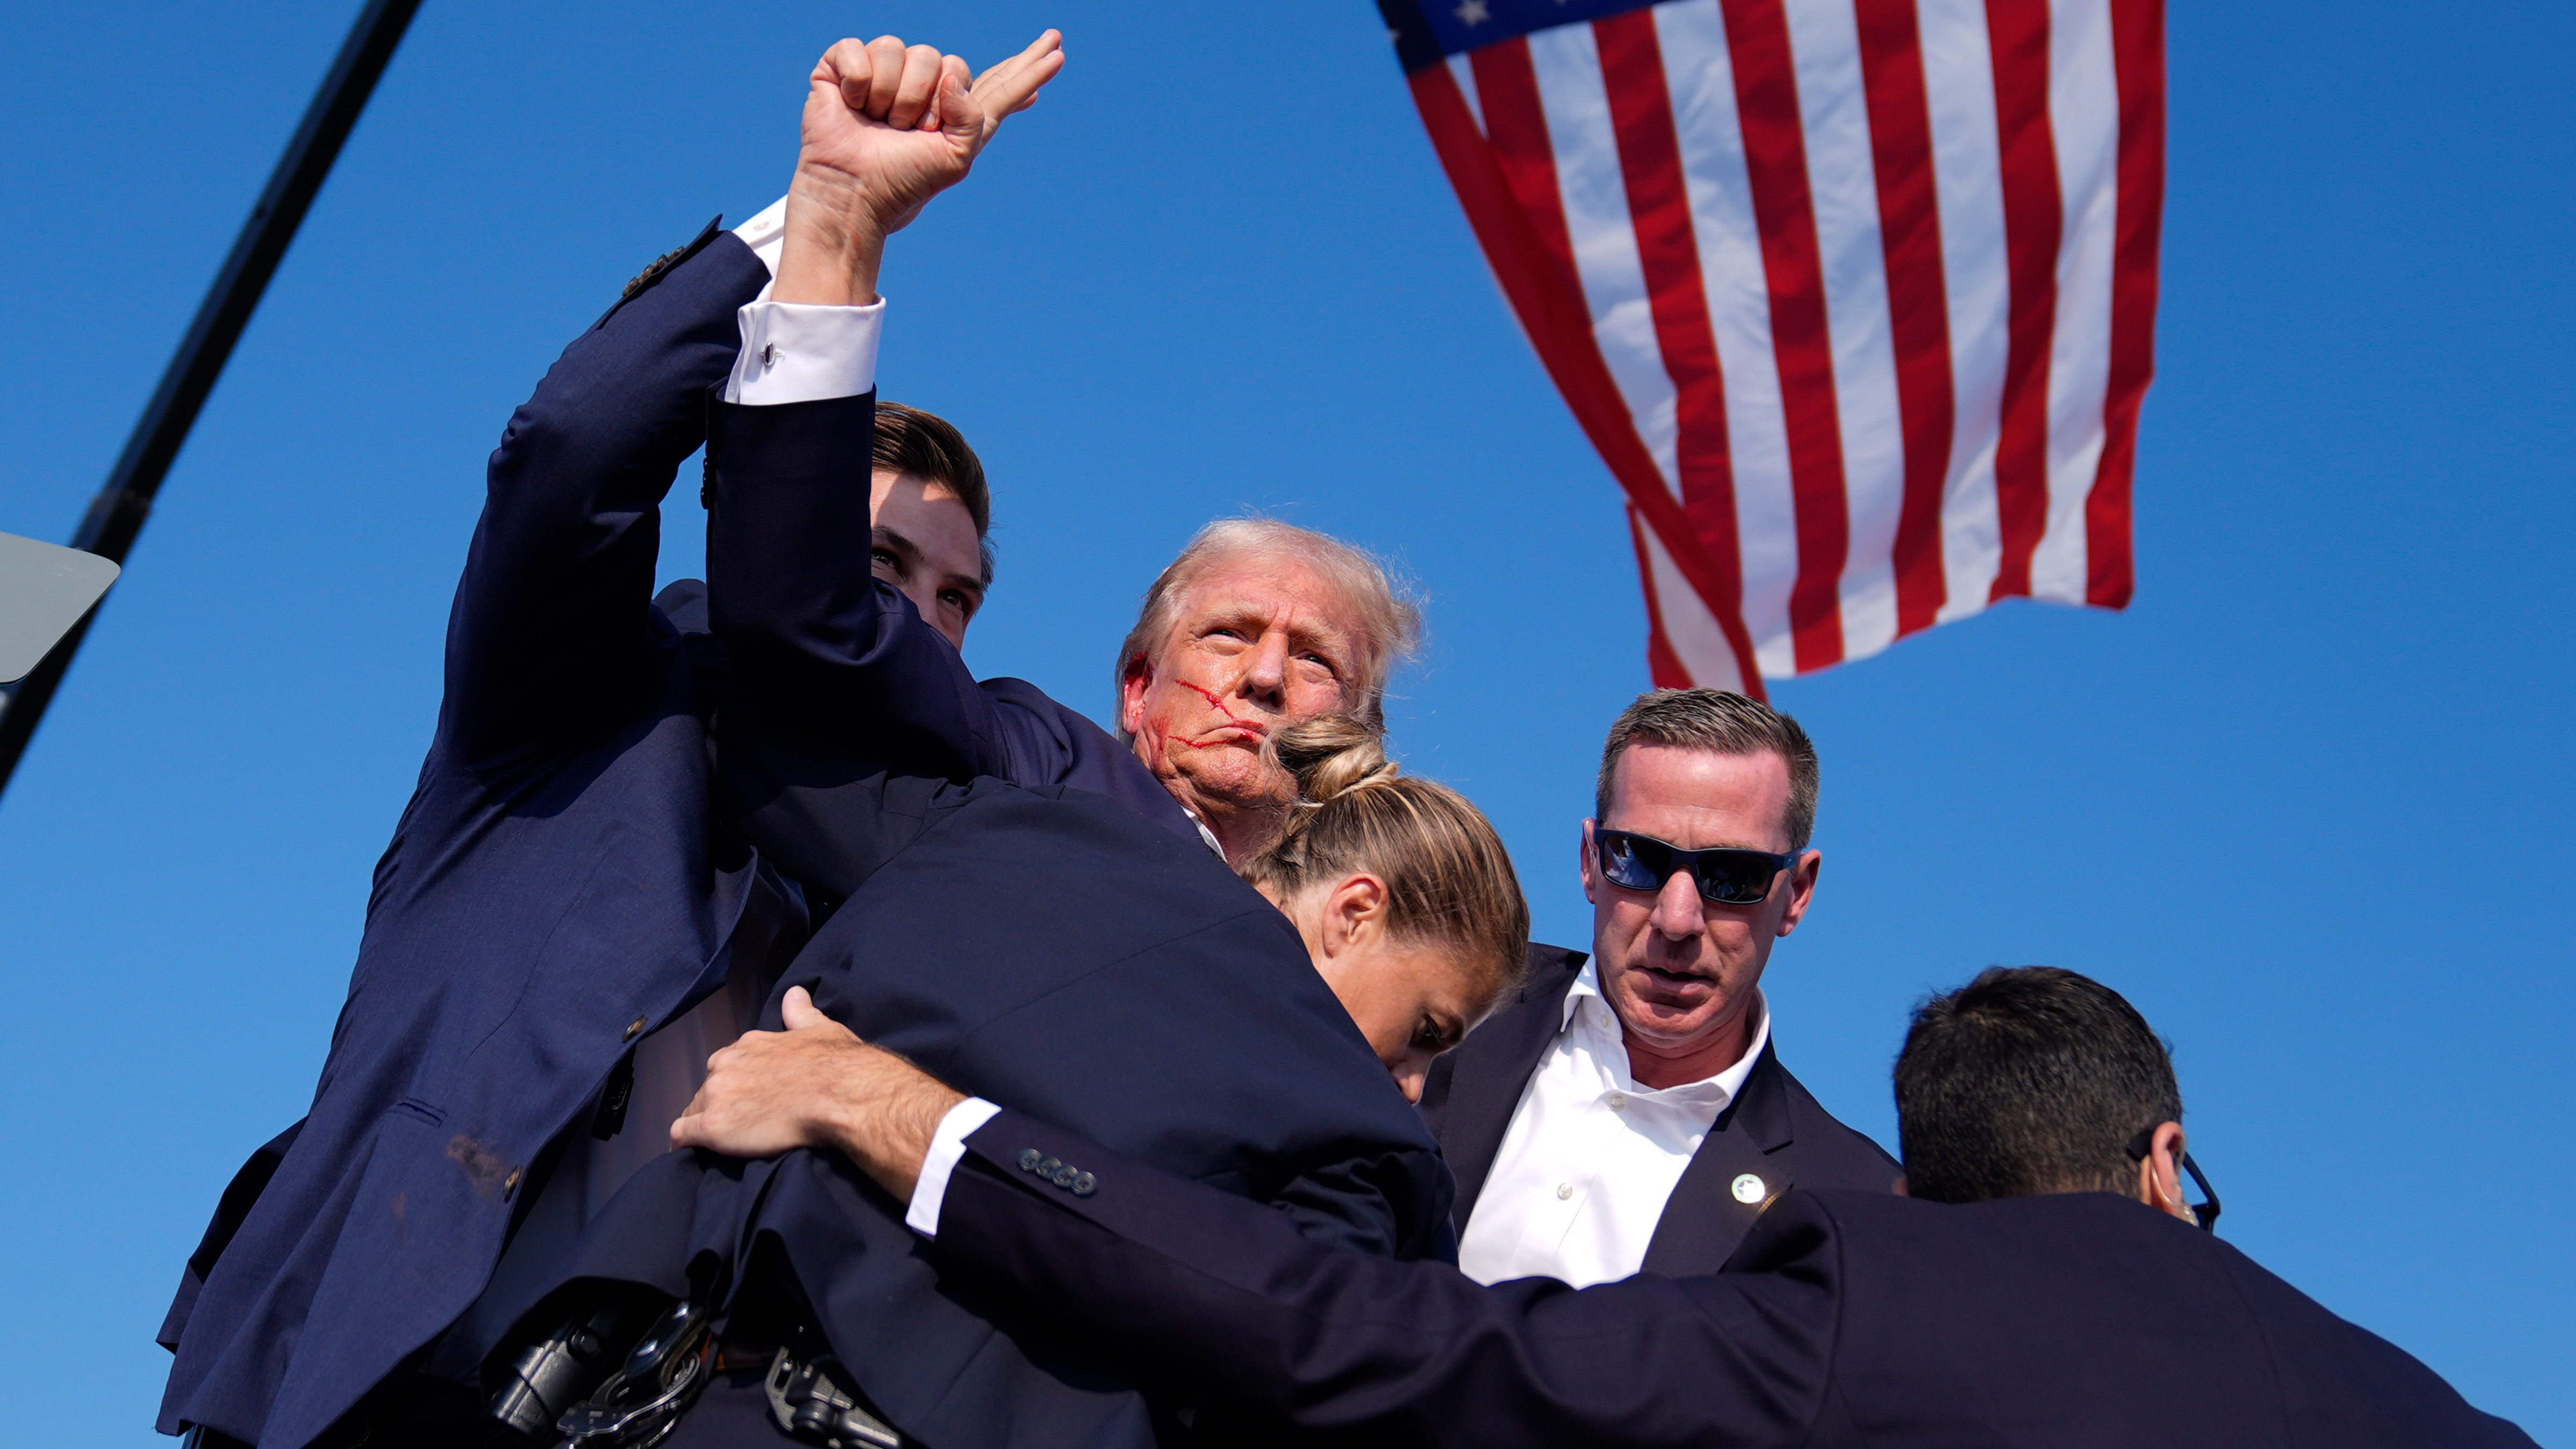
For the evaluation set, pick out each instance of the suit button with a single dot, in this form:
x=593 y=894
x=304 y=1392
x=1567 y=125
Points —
x=1084 y=1184
x=1748 y=1188
x=634 y=1028
x=1063 y=1176
x=1029 y=1159
x=1046 y=1167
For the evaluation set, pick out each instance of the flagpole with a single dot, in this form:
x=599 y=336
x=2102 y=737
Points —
x=116 y=516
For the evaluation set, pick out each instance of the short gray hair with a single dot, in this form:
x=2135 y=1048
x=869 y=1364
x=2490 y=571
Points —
x=1390 y=623
x=1722 y=723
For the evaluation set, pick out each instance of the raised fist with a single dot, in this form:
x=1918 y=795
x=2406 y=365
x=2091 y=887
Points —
x=889 y=126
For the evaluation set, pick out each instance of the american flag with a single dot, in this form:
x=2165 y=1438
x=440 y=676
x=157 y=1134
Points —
x=1855 y=297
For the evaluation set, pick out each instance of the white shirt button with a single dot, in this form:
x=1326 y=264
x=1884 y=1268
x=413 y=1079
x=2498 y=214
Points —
x=1564 y=1190
x=1618 y=1101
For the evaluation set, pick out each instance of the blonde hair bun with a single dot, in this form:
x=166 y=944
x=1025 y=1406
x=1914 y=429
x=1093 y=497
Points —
x=1448 y=878
x=1332 y=755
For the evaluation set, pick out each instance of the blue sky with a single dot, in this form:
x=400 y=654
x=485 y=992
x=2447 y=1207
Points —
x=2304 y=801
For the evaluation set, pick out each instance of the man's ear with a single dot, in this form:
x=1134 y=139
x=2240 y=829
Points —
x=1355 y=910
x=1802 y=888
x=2160 y=1173
x=1588 y=865
x=1134 y=683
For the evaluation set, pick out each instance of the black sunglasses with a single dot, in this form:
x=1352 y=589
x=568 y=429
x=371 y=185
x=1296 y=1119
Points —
x=1726 y=874
x=2204 y=1213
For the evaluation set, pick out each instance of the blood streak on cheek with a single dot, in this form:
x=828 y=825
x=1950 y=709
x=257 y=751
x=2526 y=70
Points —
x=1231 y=717
x=1210 y=696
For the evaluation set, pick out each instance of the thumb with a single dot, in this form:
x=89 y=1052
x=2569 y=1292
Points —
x=685 y=1127
x=959 y=114
x=799 y=1011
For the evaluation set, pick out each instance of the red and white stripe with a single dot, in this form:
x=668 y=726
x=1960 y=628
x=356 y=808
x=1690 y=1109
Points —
x=1855 y=297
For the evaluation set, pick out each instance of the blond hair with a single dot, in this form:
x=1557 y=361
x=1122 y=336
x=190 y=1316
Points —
x=1390 y=624
x=1448 y=879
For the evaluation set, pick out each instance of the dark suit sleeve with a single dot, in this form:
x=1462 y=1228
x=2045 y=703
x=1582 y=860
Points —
x=553 y=619
x=818 y=643
x=1223 y=1294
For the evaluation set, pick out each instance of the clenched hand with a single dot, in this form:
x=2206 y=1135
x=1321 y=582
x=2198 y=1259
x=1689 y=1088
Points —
x=887 y=127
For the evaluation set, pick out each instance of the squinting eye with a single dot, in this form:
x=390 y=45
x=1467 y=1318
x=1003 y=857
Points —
x=884 y=559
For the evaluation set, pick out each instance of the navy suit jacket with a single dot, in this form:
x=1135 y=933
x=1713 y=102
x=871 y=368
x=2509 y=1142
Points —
x=1073 y=940
x=826 y=652
x=1037 y=943
x=1773 y=1129
x=554 y=889
x=1845 y=1319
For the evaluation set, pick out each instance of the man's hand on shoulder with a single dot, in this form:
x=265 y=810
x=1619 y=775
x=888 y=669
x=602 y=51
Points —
x=886 y=128
x=817 y=1085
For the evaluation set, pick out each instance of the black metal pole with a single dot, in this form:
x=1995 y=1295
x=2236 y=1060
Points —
x=116 y=516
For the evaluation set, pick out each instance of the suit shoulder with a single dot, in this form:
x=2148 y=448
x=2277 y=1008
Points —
x=1849 y=1157
x=1044 y=736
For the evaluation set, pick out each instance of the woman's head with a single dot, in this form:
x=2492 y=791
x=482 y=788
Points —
x=1402 y=891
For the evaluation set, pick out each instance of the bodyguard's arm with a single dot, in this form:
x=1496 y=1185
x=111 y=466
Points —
x=1223 y=1295
x=818 y=643
x=552 y=621
x=1226 y=1295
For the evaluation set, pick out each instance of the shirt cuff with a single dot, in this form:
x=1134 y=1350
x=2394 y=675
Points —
x=947 y=1149
x=765 y=234
x=796 y=352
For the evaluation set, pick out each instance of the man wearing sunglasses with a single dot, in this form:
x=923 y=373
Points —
x=1630 y=1112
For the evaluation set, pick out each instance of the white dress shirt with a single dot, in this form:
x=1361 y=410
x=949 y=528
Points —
x=1590 y=1157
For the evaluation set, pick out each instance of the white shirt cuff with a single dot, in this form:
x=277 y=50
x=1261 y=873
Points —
x=765 y=234
x=947 y=1149
x=796 y=352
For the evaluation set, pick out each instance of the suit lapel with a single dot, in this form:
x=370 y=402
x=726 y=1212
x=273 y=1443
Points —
x=1706 y=1216
x=1493 y=1069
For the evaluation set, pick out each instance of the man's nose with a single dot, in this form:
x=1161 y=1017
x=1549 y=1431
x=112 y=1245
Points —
x=1266 y=682
x=1677 y=912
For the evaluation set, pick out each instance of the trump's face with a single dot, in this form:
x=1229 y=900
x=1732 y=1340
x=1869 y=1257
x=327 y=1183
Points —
x=1258 y=642
x=1678 y=969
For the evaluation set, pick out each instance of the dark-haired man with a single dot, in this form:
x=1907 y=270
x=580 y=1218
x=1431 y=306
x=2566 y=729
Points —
x=2064 y=1300
x=559 y=901
x=1631 y=1112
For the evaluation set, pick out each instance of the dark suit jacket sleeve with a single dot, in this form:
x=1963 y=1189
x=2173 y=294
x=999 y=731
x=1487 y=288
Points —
x=817 y=642
x=1224 y=1294
x=553 y=620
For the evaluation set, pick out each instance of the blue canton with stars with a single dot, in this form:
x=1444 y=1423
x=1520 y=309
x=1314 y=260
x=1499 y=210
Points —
x=1426 y=30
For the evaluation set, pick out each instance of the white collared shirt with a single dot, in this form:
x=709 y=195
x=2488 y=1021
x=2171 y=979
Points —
x=1590 y=1156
